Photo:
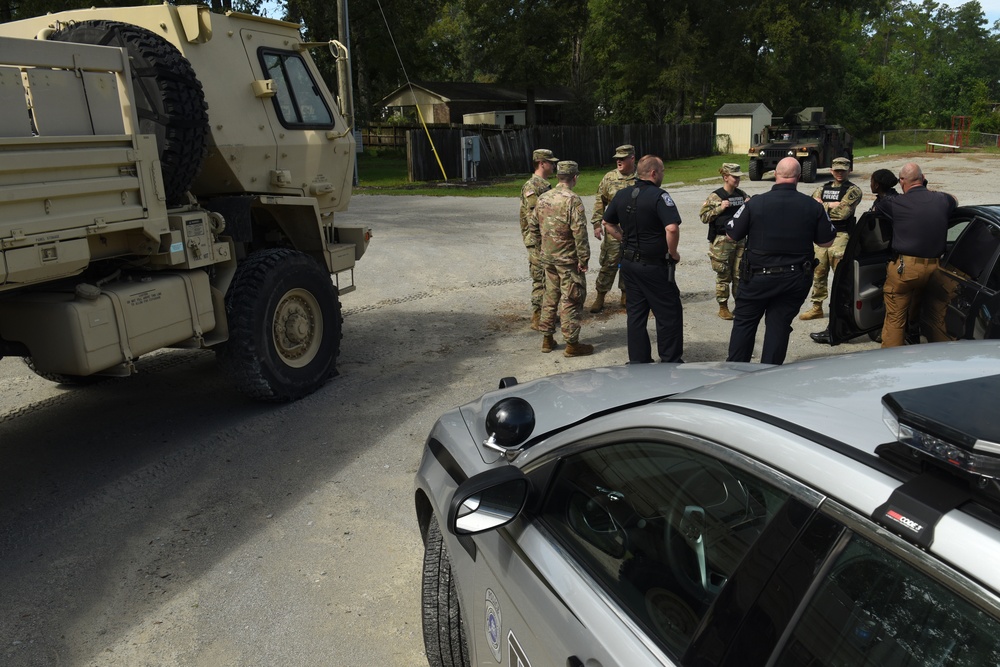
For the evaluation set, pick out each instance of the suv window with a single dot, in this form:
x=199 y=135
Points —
x=973 y=253
x=297 y=99
x=660 y=527
x=874 y=609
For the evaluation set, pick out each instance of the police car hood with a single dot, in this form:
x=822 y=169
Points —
x=561 y=400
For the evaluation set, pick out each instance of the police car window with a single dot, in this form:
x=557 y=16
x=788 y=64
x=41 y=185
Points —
x=660 y=527
x=297 y=98
x=975 y=250
x=874 y=609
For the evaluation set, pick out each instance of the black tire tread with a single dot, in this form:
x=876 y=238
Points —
x=444 y=629
x=241 y=356
x=169 y=98
x=809 y=169
x=754 y=170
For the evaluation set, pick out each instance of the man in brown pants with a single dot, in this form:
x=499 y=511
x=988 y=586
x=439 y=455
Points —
x=919 y=232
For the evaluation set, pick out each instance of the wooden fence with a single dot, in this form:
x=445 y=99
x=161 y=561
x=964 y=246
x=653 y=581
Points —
x=505 y=152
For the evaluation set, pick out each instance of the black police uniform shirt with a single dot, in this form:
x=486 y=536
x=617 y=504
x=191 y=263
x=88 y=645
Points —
x=834 y=192
x=644 y=231
x=920 y=222
x=882 y=206
x=781 y=227
x=717 y=227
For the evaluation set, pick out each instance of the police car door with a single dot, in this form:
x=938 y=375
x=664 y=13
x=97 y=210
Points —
x=532 y=608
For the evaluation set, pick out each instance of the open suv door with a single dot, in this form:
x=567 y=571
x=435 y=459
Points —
x=856 y=306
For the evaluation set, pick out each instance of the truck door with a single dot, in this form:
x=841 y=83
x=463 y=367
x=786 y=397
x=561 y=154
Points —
x=300 y=109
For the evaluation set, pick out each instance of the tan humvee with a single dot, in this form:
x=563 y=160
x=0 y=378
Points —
x=175 y=188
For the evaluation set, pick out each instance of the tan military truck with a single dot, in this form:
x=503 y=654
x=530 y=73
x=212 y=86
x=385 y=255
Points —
x=169 y=178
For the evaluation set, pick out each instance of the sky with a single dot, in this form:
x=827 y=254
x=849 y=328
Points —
x=990 y=7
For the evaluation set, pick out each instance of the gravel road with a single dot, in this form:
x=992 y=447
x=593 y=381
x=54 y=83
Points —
x=163 y=519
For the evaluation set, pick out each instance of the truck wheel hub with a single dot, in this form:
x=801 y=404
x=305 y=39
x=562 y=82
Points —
x=297 y=329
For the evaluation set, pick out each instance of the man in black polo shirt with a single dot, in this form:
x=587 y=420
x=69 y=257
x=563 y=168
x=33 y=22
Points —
x=919 y=233
x=645 y=219
x=781 y=227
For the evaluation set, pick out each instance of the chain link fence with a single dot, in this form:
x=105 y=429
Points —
x=946 y=137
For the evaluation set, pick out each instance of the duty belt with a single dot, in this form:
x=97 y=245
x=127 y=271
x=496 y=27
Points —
x=913 y=259
x=630 y=255
x=791 y=268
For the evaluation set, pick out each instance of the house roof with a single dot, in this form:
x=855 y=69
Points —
x=741 y=109
x=451 y=91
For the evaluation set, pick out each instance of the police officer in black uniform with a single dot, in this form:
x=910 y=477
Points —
x=781 y=227
x=645 y=219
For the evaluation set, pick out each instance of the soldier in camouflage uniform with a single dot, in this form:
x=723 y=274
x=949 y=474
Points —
x=611 y=250
x=545 y=165
x=724 y=253
x=840 y=197
x=559 y=229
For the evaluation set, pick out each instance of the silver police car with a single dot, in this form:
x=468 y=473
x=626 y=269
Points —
x=837 y=511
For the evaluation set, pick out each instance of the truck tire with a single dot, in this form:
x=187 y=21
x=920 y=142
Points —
x=284 y=326
x=754 y=170
x=444 y=630
x=169 y=99
x=809 y=169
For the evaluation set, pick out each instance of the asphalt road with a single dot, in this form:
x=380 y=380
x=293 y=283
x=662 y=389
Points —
x=164 y=519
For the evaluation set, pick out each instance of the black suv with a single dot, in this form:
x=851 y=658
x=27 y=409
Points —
x=962 y=299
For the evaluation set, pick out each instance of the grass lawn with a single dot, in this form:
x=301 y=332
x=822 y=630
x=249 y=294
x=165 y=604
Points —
x=385 y=174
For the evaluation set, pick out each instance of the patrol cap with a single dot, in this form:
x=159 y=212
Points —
x=731 y=169
x=626 y=150
x=543 y=154
x=567 y=168
x=841 y=164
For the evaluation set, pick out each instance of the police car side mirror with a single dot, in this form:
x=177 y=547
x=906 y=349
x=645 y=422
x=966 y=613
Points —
x=487 y=501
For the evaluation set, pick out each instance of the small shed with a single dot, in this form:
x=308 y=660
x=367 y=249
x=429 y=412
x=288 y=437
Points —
x=742 y=123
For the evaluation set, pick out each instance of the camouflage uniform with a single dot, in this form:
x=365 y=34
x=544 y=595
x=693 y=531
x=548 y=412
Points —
x=559 y=228
x=611 y=249
x=724 y=254
x=535 y=186
x=842 y=216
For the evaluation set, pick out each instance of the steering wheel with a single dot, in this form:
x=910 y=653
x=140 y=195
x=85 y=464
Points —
x=692 y=530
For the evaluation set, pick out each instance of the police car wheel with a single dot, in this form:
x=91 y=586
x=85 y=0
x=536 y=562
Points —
x=444 y=629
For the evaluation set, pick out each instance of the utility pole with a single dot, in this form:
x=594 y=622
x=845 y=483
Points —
x=344 y=86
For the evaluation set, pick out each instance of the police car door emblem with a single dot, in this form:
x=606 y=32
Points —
x=493 y=623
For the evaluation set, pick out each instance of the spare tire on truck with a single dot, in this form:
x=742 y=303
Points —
x=169 y=99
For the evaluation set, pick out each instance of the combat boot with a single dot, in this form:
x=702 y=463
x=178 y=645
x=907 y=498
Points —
x=578 y=350
x=548 y=343
x=724 y=312
x=535 y=318
x=623 y=299
x=814 y=313
x=598 y=304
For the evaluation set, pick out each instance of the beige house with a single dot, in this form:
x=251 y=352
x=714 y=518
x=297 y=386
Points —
x=450 y=102
x=738 y=126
